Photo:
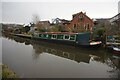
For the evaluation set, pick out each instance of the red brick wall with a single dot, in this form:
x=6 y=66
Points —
x=81 y=23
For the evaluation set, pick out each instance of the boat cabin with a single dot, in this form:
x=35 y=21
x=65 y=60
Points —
x=66 y=37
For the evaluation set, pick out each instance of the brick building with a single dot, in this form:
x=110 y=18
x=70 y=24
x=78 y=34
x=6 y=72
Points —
x=81 y=22
x=115 y=24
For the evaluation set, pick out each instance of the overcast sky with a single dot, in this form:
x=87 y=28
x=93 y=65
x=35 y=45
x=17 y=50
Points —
x=17 y=11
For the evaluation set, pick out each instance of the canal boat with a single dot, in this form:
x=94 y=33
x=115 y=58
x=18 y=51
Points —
x=112 y=45
x=82 y=39
x=116 y=49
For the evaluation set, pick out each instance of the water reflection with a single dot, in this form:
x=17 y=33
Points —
x=73 y=53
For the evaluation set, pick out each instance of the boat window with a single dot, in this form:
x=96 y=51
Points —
x=49 y=36
x=66 y=37
x=44 y=35
x=54 y=36
x=36 y=35
x=59 y=36
x=72 y=37
x=40 y=35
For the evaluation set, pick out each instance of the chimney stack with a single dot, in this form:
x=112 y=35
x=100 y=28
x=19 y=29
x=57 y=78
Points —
x=85 y=13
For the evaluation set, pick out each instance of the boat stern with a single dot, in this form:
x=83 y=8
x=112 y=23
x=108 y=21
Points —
x=95 y=43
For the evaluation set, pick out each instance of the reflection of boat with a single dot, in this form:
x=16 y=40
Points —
x=61 y=52
x=77 y=54
x=66 y=38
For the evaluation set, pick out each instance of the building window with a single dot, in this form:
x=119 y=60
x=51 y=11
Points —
x=74 y=26
x=81 y=18
x=84 y=26
x=73 y=16
x=88 y=27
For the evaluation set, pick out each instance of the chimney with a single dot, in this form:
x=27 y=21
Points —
x=85 y=13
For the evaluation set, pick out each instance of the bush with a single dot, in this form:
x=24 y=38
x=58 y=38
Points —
x=7 y=73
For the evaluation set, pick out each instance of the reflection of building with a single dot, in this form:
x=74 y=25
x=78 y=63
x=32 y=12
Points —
x=81 y=22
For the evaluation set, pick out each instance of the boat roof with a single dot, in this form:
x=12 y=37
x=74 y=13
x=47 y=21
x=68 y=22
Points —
x=61 y=33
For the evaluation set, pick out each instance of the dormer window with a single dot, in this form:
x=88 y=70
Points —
x=81 y=17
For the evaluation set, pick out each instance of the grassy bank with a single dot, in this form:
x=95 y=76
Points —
x=7 y=73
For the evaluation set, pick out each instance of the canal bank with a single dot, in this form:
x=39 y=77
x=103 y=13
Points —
x=7 y=72
x=23 y=35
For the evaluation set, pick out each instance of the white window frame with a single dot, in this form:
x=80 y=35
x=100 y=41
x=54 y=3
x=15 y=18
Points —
x=66 y=39
x=54 y=34
x=74 y=38
x=47 y=35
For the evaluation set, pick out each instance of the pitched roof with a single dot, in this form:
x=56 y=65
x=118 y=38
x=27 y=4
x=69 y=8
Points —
x=83 y=14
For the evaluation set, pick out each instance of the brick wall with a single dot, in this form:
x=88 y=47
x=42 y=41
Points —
x=81 y=21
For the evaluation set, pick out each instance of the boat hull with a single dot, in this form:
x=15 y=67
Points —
x=56 y=41
x=116 y=50
x=75 y=39
x=113 y=49
x=65 y=42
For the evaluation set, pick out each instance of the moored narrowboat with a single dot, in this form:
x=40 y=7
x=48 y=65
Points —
x=66 y=38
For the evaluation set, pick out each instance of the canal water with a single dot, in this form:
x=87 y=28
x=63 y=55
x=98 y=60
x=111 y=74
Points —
x=35 y=59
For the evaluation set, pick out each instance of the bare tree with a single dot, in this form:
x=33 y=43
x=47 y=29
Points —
x=35 y=18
